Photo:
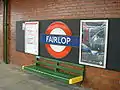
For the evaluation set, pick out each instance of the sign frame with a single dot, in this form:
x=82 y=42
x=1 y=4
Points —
x=31 y=29
x=82 y=44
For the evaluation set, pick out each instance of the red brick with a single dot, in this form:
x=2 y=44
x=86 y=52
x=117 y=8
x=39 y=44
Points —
x=1 y=31
x=98 y=79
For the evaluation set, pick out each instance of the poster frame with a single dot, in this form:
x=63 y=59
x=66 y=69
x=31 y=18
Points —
x=105 y=47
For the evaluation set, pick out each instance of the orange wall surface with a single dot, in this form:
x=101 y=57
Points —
x=1 y=30
x=96 y=78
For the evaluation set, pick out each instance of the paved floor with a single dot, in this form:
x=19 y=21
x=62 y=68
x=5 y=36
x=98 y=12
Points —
x=13 y=78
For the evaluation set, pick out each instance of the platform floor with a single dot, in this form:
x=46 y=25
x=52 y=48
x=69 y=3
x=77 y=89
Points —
x=13 y=78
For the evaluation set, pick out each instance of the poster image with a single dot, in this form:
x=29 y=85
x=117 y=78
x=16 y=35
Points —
x=31 y=37
x=93 y=42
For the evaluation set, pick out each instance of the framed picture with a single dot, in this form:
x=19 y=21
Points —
x=31 y=37
x=93 y=42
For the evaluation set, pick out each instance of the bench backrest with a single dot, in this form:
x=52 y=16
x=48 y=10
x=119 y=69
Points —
x=60 y=66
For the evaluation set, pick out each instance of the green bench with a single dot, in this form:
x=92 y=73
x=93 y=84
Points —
x=63 y=71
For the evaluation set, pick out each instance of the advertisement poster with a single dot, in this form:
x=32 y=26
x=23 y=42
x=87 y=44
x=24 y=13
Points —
x=31 y=37
x=93 y=42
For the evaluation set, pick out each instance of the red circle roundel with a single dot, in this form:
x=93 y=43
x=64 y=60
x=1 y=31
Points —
x=58 y=28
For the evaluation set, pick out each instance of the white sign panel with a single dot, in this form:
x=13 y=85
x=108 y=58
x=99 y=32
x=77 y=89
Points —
x=23 y=26
x=93 y=42
x=31 y=37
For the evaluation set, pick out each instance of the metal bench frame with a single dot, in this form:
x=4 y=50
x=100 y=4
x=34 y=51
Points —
x=63 y=71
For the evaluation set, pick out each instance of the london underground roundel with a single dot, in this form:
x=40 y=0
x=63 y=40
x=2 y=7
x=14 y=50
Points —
x=58 y=28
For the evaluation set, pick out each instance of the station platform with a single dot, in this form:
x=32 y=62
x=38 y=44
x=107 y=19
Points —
x=13 y=78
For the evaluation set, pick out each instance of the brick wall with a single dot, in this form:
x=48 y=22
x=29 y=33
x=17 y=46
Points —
x=98 y=79
x=1 y=30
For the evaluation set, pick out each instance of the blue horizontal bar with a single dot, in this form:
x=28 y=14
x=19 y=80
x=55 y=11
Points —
x=60 y=40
